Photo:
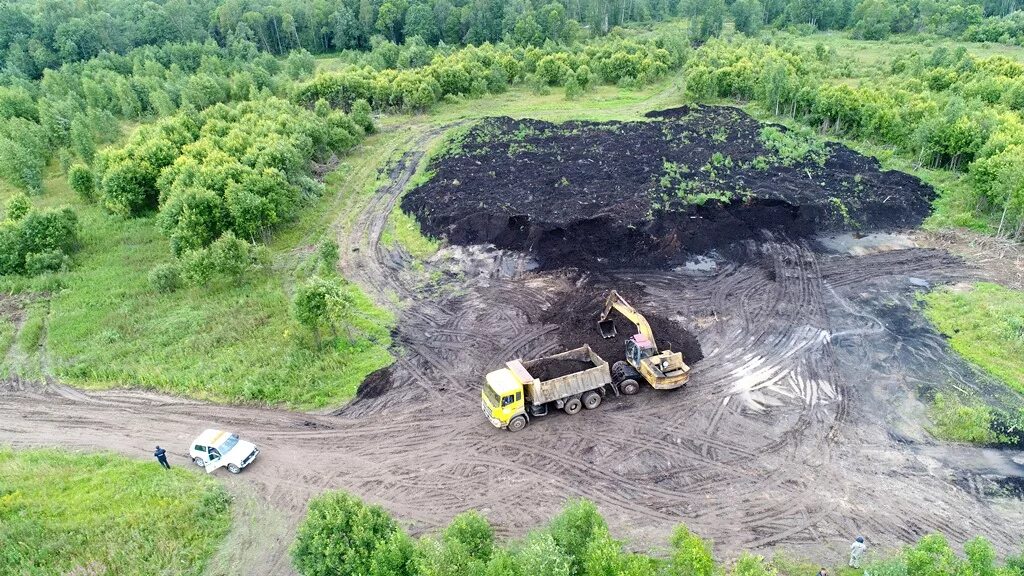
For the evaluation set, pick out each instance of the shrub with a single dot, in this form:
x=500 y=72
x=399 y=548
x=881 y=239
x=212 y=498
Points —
x=81 y=181
x=46 y=261
x=691 y=556
x=750 y=565
x=471 y=532
x=342 y=535
x=17 y=206
x=541 y=556
x=165 y=278
x=574 y=528
x=361 y=115
x=328 y=254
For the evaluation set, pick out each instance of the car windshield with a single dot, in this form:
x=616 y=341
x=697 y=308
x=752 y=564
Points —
x=228 y=444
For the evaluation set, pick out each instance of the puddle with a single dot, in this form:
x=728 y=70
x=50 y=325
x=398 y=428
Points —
x=857 y=244
x=483 y=261
x=698 y=264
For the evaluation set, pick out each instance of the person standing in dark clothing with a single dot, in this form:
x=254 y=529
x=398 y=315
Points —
x=161 y=457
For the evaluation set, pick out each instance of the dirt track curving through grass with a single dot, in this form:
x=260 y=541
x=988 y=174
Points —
x=800 y=428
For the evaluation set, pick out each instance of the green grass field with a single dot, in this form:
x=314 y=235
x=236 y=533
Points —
x=105 y=514
x=985 y=324
x=101 y=325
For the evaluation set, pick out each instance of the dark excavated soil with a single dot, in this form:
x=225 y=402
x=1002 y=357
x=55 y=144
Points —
x=547 y=369
x=591 y=194
x=577 y=314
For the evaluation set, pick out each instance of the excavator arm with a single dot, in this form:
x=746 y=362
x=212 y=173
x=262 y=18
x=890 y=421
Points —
x=616 y=302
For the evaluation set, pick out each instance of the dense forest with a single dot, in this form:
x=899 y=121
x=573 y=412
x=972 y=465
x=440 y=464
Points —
x=36 y=35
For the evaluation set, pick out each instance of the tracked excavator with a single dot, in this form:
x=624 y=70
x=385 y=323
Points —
x=663 y=370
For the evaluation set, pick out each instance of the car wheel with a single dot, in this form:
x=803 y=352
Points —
x=198 y=462
x=234 y=469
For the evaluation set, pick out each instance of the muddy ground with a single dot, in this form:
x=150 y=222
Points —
x=802 y=426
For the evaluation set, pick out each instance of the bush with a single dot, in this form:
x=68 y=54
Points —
x=17 y=206
x=46 y=261
x=691 y=556
x=361 y=114
x=165 y=278
x=328 y=255
x=574 y=528
x=342 y=535
x=81 y=181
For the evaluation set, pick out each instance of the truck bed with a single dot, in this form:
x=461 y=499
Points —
x=562 y=375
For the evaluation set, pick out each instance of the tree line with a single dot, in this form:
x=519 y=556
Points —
x=342 y=535
x=39 y=34
x=973 y=20
x=949 y=109
x=475 y=71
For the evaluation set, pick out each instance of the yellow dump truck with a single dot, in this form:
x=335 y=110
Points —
x=526 y=389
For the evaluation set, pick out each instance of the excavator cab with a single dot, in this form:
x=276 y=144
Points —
x=639 y=347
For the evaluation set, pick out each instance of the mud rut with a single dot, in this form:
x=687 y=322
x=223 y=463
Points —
x=799 y=430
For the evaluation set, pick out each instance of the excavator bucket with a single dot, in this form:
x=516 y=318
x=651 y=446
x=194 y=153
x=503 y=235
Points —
x=607 y=328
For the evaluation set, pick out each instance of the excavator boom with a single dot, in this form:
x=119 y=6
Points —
x=616 y=302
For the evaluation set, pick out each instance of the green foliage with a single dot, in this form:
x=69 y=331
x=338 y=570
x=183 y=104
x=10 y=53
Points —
x=17 y=206
x=574 y=528
x=983 y=325
x=960 y=422
x=540 y=555
x=65 y=513
x=38 y=241
x=690 y=555
x=751 y=565
x=81 y=181
x=748 y=16
x=342 y=535
x=327 y=253
x=165 y=277
x=473 y=70
x=948 y=112
x=24 y=151
x=326 y=301
x=791 y=147
x=242 y=169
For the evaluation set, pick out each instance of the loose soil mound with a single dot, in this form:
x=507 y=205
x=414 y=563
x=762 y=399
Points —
x=648 y=193
x=577 y=315
x=548 y=369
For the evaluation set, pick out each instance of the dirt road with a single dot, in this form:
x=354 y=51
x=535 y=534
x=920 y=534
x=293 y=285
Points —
x=800 y=430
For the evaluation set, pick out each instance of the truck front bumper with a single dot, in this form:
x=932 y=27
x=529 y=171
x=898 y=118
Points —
x=487 y=413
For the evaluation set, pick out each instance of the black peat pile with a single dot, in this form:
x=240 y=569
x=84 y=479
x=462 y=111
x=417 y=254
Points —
x=647 y=194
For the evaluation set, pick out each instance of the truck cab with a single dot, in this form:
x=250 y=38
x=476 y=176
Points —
x=502 y=400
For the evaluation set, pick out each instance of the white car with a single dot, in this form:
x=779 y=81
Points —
x=217 y=449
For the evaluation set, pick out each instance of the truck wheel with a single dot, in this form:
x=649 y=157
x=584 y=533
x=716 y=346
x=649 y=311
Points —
x=629 y=387
x=572 y=406
x=591 y=400
x=516 y=424
x=198 y=462
x=234 y=469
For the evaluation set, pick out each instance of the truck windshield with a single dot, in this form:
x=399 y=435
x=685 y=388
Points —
x=228 y=444
x=492 y=396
